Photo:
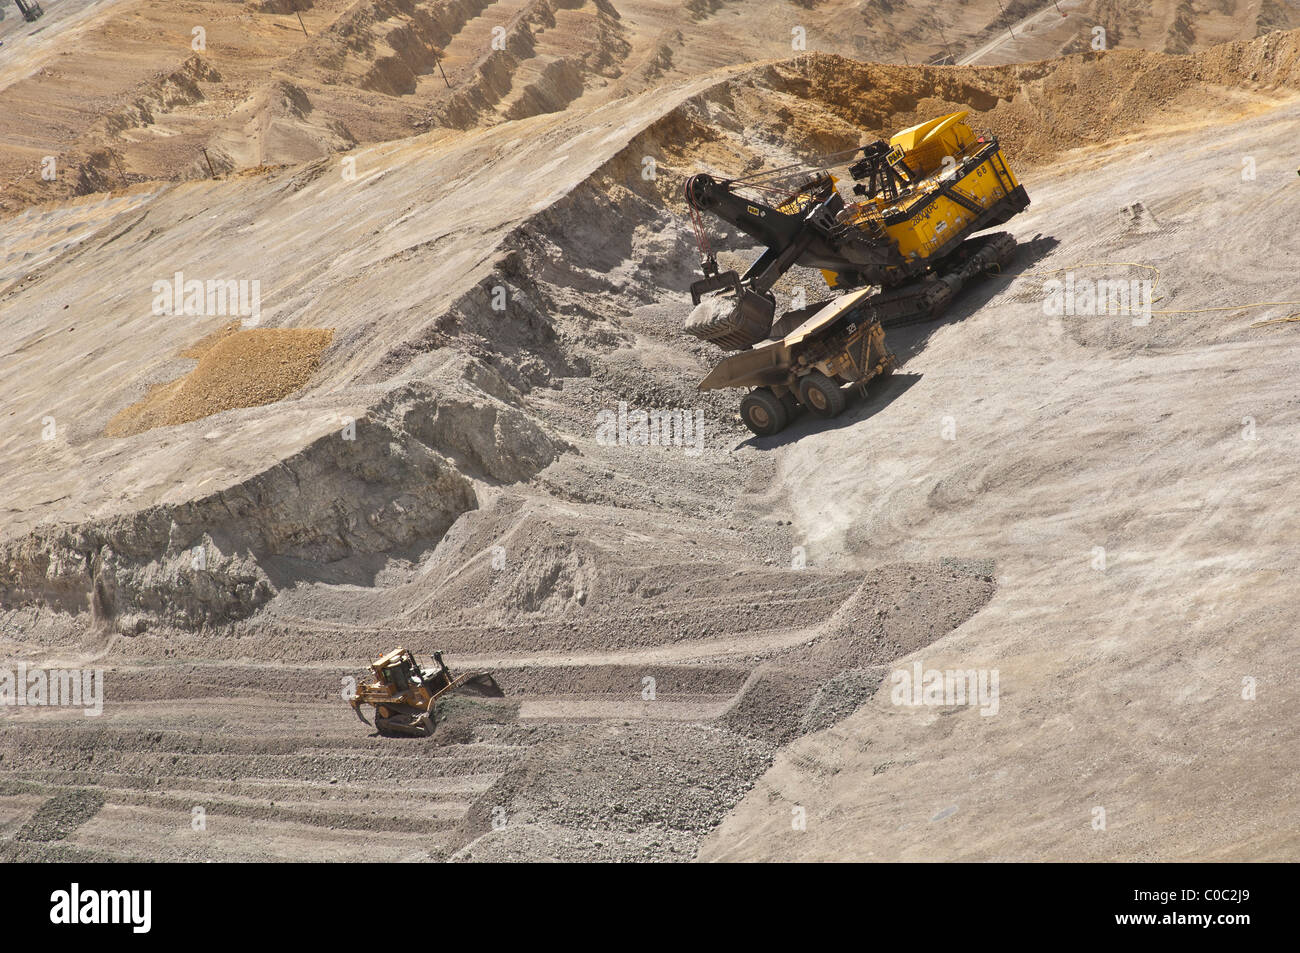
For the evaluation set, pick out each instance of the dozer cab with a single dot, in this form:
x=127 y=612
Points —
x=404 y=694
x=898 y=254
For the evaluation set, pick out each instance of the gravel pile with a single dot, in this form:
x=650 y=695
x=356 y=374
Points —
x=237 y=368
x=61 y=815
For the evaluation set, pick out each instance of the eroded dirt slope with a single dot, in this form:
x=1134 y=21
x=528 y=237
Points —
x=440 y=481
x=105 y=94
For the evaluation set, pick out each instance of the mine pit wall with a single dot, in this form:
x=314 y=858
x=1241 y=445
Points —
x=494 y=74
x=414 y=43
x=284 y=6
x=220 y=558
x=358 y=30
x=622 y=238
x=408 y=475
x=417 y=37
x=521 y=344
x=98 y=170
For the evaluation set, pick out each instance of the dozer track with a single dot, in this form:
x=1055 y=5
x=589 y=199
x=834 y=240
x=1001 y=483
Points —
x=404 y=720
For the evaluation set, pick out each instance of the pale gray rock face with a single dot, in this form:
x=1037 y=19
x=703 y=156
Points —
x=392 y=485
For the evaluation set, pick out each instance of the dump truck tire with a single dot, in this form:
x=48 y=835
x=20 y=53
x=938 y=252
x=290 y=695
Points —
x=763 y=412
x=792 y=406
x=821 y=395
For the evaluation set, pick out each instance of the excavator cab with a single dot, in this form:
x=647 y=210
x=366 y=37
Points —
x=882 y=172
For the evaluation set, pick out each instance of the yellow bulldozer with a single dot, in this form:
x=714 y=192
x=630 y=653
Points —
x=404 y=694
x=896 y=254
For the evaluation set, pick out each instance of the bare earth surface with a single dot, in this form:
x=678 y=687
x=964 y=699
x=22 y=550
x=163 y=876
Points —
x=694 y=641
x=120 y=92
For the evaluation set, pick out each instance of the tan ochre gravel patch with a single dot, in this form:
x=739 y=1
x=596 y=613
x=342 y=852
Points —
x=237 y=368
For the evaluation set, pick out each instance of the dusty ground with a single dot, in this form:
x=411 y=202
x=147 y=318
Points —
x=694 y=640
x=1167 y=446
x=111 y=93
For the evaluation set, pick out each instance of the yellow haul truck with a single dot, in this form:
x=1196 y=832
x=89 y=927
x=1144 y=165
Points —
x=919 y=199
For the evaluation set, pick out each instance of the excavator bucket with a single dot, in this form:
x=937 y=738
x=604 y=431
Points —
x=732 y=320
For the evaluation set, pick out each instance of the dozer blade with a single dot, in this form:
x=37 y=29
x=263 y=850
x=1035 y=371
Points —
x=481 y=684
